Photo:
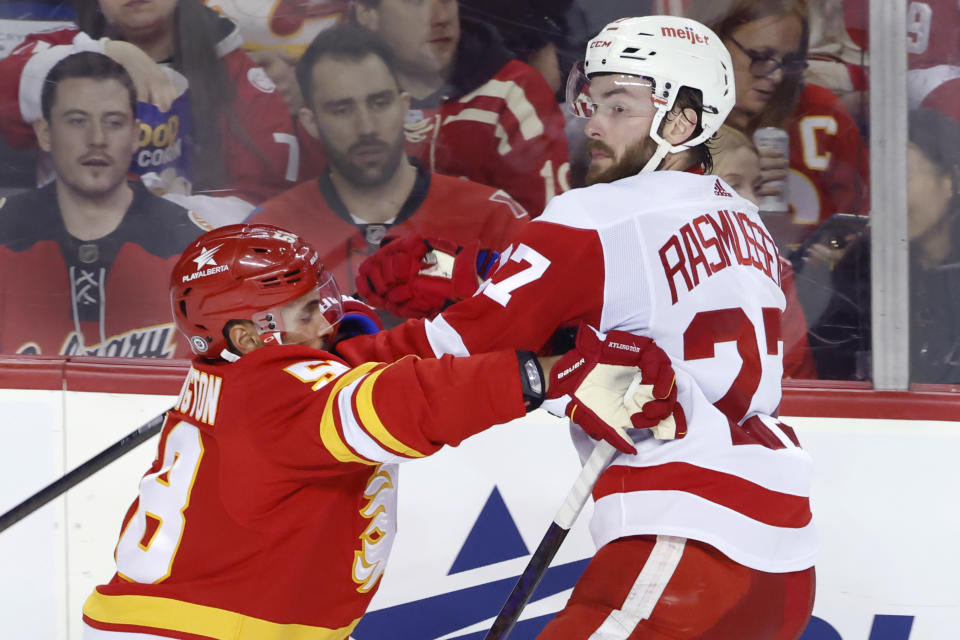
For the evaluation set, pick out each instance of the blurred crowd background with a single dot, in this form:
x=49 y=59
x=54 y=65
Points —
x=456 y=127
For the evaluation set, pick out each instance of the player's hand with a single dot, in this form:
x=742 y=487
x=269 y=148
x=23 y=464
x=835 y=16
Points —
x=616 y=383
x=416 y=277
x=358 y=319
x=151 y=81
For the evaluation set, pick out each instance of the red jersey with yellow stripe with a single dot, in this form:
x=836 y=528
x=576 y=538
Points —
x=269 y=511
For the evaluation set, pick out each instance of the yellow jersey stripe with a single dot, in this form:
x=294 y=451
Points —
x=186 y=617
x=328 y=427
x=371 y=421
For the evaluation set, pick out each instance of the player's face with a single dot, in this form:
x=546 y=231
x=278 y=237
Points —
x=773 y=36
x=618 y=132
x=740 y=168
x=358 y=113
x=91 y=135
x=139 y=17
x=304 y=322
x=929 y=191
x=422 y=33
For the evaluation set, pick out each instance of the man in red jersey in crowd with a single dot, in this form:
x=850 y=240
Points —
x=270 y=509
x=476 y=111
x=711 y=534
x=84 y=261
x=356 y=107
x=242 y=141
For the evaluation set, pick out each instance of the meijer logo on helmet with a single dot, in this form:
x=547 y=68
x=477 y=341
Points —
x=685 y=33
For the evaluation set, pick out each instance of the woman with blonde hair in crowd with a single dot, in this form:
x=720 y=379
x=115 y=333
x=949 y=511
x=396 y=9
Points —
x=736 y=162
x=827 y=168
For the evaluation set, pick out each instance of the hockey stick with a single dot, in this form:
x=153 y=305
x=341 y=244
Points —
x=84 y=471
x=540 y=561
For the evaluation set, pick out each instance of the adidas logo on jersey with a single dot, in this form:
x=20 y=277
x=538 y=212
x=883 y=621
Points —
x=718 y=190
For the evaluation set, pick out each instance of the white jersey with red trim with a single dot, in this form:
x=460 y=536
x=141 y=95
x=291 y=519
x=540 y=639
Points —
x=683 y=259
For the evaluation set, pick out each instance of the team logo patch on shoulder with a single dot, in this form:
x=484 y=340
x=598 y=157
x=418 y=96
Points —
x=718 y=190
x=259 y=79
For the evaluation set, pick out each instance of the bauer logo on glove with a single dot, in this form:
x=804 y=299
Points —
x=616 y=383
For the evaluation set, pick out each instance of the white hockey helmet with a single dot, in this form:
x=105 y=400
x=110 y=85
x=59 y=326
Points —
x=673 y=52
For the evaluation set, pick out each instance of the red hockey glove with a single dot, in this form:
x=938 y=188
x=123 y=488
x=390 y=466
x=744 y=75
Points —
x=358 y=319
x=616 y=383
x=414 y=277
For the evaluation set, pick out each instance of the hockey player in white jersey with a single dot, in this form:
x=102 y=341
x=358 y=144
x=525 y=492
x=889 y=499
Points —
x=705 y=536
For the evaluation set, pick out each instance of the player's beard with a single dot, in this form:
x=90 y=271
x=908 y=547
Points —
x=633 y=160
x=366 y=175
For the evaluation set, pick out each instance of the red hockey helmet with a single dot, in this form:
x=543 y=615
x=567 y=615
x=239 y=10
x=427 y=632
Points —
x=245 y=272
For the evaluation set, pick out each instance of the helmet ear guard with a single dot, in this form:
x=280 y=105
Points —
x=672 y=53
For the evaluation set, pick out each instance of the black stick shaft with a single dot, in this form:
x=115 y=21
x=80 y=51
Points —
x=84 y=471
x=540 y=561
x=527 y=583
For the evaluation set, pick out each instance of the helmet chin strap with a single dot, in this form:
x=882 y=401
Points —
x=662 y=150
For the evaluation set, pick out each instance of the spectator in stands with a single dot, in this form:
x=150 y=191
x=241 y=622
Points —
x=241 y=142
x=828 y=166
x=933 y=55
x=535 y=31
x=276 y=33
x=356 y=108
x=476 y=111
x=933 y=209
x=736 y=161
x=85 y=261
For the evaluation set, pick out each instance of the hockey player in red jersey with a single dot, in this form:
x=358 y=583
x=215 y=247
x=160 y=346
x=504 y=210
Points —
x=476 y=111
x=276 y=465
x=711 y=535
x=270 y=509
x=371 y=188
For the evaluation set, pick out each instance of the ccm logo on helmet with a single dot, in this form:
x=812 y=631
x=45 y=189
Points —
x=686 y=33
x=600 y=43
